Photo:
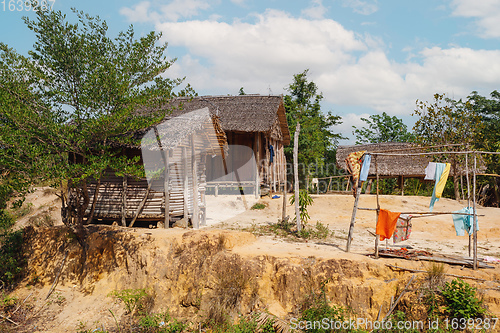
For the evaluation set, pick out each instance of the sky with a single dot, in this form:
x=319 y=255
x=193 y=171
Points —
x=366 y=56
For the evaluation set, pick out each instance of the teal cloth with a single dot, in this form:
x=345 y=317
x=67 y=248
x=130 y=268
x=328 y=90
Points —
x=464 y=222
x=365 y=168
x=439 y=171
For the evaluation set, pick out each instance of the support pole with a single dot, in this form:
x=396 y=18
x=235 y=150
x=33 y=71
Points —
x=196 y=211
x=474 y=216
x=166 y=183
x=377 y=237
x=185 y=182
x=257 y=163
x=283 y=214
x=296 y=175
x=141 y=205
x=94 y=201
x=354 y=211
x=468 y=197
x=124 y=202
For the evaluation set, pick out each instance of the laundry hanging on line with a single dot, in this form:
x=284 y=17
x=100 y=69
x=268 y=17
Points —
x=403 y=228
x=386 y=223
x=365 y=168
x=442 y=172
x=430 y=171
x=464 y=222
x=353 y=163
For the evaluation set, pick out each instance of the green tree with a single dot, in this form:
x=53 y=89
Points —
x=382 y=128
x=446 y=121
x=316 y=138
x=489 y=111
x=66 y=107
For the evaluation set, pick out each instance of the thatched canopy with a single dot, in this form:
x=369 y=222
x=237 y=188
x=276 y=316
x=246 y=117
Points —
x=177 y=130
x=392 y=166
x=244 y=113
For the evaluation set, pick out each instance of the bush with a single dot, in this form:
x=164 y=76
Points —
x=461 y=300
x=161 y=323
x=11 y=258
x=132 y=298
x=258 y=205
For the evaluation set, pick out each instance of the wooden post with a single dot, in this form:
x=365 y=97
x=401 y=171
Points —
x=468 y=197
x=124 y=202
x=166 y=187
x=474 y=212
x=296 y=175
x=141 y=205
x=377 y=237
x=196 y=211
x=256 y=152
x=354 y=211
x=283 y=213
x=94 y=201
x=185 y=181
x=402 y=185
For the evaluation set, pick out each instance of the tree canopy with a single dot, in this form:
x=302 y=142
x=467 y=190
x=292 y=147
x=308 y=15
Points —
x=316 y=138
x=76 y=98
x=382 y=128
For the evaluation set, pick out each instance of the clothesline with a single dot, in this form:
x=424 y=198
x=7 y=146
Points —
x=434 y=153
x=429 y=213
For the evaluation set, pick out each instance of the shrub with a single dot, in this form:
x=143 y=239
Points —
x=11 y=257
x=258 y=205
x=461 y=300
x=132 y=298
x=161 y=323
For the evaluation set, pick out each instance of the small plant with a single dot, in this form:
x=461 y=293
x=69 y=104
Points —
x=132 y=298
x=461 y=300
x=258 y=205
x=162 y=323
x=305 y=200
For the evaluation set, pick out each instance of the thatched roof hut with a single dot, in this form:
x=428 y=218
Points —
x=243 y=113
x=255 y=121
x=394 y=166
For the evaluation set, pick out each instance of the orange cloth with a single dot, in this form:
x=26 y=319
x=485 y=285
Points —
x=386 y=223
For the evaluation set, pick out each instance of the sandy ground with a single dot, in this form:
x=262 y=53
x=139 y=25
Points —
x=433 y=233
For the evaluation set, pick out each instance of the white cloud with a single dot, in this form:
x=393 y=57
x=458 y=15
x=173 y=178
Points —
x=350 y=69
x=173 y=11
x=361 y=7
x=139 y=13
x=486 y=13
x=316 y=10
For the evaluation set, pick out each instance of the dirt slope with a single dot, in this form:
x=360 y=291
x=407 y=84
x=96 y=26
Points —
x=187 y=270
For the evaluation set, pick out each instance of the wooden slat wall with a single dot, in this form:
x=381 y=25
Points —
x=109 y=202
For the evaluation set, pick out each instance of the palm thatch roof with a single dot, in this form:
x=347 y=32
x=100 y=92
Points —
x=244 y=113
x=177 y=130
x=392 y=166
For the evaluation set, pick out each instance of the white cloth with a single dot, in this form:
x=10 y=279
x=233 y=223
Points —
x=430 y=171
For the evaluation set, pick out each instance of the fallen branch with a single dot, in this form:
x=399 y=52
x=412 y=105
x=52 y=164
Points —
x=57 y=277
x=9 y=320
x=421 y=271
x=399 y=298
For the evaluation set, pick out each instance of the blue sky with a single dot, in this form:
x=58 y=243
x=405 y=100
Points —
x=366 y=56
